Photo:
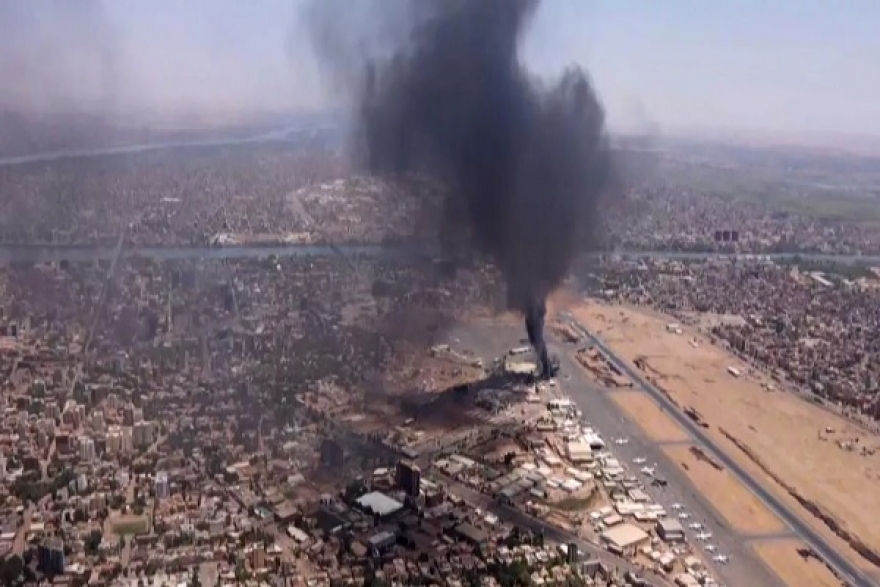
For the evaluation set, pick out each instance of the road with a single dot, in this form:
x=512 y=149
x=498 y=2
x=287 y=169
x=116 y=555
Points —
x=21 y=536
x=845 y=569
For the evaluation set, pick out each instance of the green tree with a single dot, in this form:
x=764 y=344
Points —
x=93 y=541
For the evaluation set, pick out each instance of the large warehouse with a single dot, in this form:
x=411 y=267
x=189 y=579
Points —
x=624 y=538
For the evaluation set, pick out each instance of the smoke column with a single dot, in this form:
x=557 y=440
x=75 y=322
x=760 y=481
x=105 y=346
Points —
x=447 y=95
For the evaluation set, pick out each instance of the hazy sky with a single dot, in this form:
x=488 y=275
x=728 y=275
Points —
x=783 y=65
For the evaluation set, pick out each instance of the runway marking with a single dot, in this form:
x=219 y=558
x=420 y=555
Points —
x=656 y=424
x=740 y=509
x=674 y=443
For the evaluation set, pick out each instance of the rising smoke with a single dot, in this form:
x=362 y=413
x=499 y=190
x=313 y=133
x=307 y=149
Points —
x=443 y=91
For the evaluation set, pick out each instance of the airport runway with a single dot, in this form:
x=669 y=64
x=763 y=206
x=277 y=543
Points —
x=596 y=403
x=846 y=570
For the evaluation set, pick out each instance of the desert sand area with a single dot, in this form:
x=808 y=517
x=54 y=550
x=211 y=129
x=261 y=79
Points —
x=741 y=510
x=654 y=422
x=776 y=436
x=792 y=567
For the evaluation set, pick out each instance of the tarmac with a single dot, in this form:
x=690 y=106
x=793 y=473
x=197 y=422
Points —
x=728 y=541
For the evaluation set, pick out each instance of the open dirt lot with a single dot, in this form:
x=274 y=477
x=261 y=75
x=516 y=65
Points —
x=777 y=428
x=128 y=525
x=783 y=558
x=740 y=509
x=654 y=422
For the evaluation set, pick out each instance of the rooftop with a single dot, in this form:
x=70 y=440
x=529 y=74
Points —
x=379 y=503
x=624 y=535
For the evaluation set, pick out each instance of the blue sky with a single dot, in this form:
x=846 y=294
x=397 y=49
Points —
x=789 y=65
x=772 y=65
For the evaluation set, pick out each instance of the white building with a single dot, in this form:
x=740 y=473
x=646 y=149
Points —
x=86 y=449
x=163 y=490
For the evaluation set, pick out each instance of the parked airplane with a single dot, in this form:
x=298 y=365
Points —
x=704 y=536
x=695 y=526
x=721 y=558
x=711 y=548
x=649 y=471
x=639 y=460
x=677 y=506
x=683 y=516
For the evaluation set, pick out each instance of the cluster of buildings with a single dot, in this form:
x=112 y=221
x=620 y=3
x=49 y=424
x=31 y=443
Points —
x=273 y=194
x=156 y=430
x=663 y=216
x=397 y=527
x=161 y=198
x=558 y=468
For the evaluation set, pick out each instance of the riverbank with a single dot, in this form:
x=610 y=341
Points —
x=42 y=253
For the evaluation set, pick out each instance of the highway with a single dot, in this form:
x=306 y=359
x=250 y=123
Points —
x=845 y=569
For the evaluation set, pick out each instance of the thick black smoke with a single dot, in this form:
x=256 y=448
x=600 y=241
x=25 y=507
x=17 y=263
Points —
x=525 y=162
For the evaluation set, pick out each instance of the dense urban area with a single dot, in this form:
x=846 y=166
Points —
x=246 y=364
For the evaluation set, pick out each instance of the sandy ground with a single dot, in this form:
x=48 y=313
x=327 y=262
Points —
x=654 y=422
x=780 y=429
x=742 y=510
x=796 y=571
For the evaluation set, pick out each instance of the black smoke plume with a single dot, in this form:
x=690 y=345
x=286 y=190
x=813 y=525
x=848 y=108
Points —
x=447 y=95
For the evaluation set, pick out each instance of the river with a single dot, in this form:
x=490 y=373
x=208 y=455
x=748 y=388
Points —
x=55 y=253
x=288 y=134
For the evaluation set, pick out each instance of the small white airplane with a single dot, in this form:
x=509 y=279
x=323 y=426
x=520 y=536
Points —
x=683 y=516
x=639 y=460
x=621 y=441
x=721 y=558
x=649 y=471
x=711 y=548
x=676 y=506
x=695 y=526
x=704 y=536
